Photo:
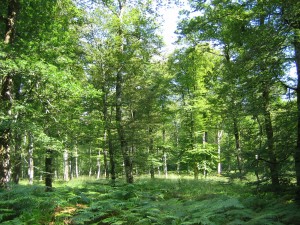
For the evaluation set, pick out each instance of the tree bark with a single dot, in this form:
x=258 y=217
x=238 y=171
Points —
x=297 y=150
x=6 y=99
x=17 y=160
x=76 y=161
x=30 y=159
x=48 y=170
x=237 y=145
x=119 y=99
x=99 y=165
x=273 y=165
x=66 y=165
x=151 y=153
x=220 y=134
x=5 y=138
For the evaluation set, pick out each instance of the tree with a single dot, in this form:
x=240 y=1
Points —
x=41 y=57
x=254 y=64
x=127 y=41
x=6 y=98
x=190 y=67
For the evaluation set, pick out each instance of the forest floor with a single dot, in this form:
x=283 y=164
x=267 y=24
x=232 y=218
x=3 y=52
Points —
x=170 y=201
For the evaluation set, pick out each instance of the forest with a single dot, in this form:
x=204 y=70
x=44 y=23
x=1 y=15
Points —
x=99 y=124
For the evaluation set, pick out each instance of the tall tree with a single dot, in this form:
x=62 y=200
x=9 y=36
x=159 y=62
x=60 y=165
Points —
x=125 y=35
x=6 y=97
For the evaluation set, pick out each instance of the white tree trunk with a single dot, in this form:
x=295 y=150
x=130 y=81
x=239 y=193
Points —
x=30 y=160
x=66 y=165
x=76 y=162
x=220 y=134
x=99 y=165
x=165 y=165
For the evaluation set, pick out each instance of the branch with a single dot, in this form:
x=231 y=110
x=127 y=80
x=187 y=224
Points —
x=288 y=86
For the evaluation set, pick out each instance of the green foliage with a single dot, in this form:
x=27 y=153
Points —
x=176 y=201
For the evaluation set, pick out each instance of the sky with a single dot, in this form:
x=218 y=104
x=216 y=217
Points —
x=170 y=17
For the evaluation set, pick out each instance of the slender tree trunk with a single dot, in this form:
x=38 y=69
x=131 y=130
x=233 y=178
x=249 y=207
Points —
x=17 y=159
x=108 y=137
x=297 y=150
x=76 y=160
x=90 y=161
x=151 y=153
x=48 y=170
x=273 y=165
x=106 y=173
x=127 y=158
x=196 y=170
x=106 y=164
x=30 y=159
x=220 y=134
x=121 y=133
x=237 y=145
x=204 y=141
x=6 y=99
x=5 y=138
x=112 y=161
x=99 y=165
x=165 y=165
x=66 y=165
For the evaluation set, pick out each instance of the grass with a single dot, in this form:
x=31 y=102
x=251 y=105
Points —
x=177 y=200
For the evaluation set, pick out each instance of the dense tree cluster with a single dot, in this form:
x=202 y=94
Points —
x=86 y=90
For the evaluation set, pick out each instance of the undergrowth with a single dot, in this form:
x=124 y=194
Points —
x=158 y=201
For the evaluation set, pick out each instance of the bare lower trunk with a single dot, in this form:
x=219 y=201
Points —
x=99 y=165
x=165 y=165
x=30 y=159
x=297 y=150
x=48 y=170
x=6 y=99
x=112 y=161
x=220 y=133
x=273 y=166
x=104 y=152
x=66 y=165
x=237 y=145
x=17 y=160
x=196 y=171
x=76 y=162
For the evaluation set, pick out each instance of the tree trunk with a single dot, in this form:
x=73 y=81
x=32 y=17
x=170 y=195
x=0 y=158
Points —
x=297 y=150
x=76 y=161
x=90 y=162
x=6 y=99
x=99 y=165
x=121 y=133
x=48 y=170
x=237 y=145
x=273 y=165
x=17 y=159
x=204 y=141
x=151 y=153
x=112 y=161
x=66 y=165
x=30 y=159
x=196 y=170
x=119 y=100
x=220 y=133
x=106 y=173
x=165 y=165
